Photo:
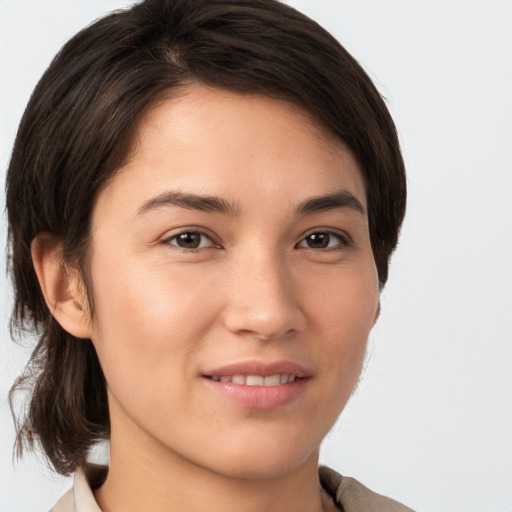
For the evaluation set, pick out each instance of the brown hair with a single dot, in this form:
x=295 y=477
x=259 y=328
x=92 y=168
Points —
x=77 y=130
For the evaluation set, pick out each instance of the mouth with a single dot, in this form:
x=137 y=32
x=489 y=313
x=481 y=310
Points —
x=256 y=380
x=259 y=385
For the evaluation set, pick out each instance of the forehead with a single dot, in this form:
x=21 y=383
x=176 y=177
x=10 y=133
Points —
x=212 y=141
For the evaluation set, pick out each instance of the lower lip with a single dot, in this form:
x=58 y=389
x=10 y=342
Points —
x=260 y=397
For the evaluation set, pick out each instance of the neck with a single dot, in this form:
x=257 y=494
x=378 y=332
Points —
x=164 y=482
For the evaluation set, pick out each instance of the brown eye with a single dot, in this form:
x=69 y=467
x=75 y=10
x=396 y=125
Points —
x=191 y=240
x=318 y=240
x=322 y=240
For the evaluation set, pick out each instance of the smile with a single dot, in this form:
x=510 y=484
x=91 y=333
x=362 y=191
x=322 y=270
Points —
x=257 y=380
x=260 y=385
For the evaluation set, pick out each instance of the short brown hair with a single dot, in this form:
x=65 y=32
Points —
x=77 y=131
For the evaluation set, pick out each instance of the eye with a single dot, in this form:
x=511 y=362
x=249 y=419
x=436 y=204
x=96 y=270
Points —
x=323 y=240
x=190 y=240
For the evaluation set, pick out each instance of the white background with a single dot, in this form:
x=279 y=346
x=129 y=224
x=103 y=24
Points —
x=431 y=425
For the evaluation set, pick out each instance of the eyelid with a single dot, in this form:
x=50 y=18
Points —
x=342 y=236
x=168 y=237
x=345 y=239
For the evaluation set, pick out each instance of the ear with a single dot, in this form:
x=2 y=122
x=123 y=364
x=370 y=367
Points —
x=62 y=286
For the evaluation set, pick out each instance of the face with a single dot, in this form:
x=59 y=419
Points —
x=234 y=284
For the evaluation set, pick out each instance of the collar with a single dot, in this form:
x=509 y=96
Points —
x=348 y=494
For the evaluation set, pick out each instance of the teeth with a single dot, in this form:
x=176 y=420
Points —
x=238 y=379
x=256 y=380
x=273 y=380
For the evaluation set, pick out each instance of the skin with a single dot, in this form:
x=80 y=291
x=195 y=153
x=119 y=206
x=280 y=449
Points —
x=258 y=287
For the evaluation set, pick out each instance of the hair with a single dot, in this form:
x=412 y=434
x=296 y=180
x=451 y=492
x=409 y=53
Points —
x=78 y=128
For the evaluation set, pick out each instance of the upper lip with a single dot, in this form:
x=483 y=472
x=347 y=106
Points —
x=265 y=369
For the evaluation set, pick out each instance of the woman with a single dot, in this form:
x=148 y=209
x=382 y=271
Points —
x=203 y=199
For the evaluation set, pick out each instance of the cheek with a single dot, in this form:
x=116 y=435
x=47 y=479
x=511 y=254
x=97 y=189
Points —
x=343 y=315
x=147 y=317
x=345 y=304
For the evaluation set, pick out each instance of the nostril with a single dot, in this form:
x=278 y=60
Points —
x=264 y=323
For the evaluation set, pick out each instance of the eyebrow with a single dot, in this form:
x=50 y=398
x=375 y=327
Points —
x=341 y=199
x=213 y=204
x=191 y=202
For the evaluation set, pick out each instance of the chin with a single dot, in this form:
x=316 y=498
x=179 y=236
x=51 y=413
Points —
x=264 y=460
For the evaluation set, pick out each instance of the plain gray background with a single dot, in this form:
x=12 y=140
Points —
x=431 y=424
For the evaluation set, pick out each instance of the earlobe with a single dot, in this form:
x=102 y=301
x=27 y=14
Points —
x=61 y=286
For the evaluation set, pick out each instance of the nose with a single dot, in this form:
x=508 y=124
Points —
x=263 y=302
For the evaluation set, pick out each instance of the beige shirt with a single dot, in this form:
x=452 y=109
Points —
x=347 y=494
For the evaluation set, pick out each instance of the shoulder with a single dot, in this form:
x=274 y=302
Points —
x=353 y=496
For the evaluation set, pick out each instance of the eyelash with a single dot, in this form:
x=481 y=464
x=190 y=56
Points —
x=169 y=241
x=343 y=241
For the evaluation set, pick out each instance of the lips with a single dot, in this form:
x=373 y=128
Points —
x=258 y=369
x=257 y=380
x=259 y=385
